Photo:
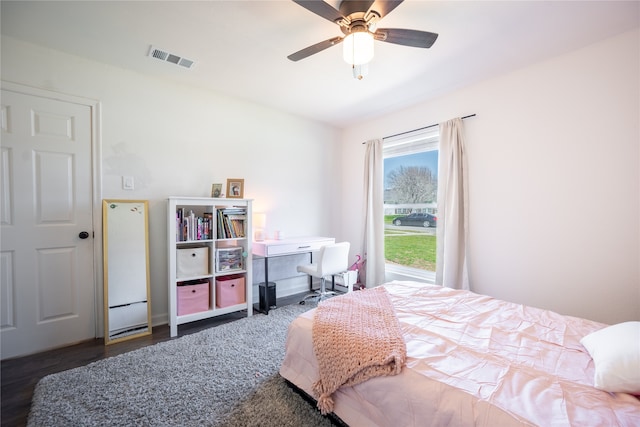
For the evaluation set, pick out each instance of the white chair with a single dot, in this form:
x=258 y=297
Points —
x=332 y=260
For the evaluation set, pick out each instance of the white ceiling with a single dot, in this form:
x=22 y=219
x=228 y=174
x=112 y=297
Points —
x=241 y=47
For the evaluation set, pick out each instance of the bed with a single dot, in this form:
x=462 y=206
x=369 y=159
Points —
x=473 y=360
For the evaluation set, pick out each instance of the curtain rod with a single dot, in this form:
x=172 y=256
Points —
x=423 y=128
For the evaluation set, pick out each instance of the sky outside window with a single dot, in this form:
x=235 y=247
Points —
x=428 y=159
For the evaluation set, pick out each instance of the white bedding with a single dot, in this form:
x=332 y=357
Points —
x=472 y=361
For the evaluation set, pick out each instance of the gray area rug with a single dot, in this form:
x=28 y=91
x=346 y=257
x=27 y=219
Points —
x=223 y=376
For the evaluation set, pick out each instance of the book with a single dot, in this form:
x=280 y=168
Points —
x=191 y=227
x=231 y=223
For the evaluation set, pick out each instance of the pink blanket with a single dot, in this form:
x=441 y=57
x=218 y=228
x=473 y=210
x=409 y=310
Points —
x=355 y=337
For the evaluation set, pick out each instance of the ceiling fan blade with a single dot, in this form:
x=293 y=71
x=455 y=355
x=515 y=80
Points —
x=383 y=8
x=413 y=38
x=308 y=51
x=321 y=9
x=347 y=7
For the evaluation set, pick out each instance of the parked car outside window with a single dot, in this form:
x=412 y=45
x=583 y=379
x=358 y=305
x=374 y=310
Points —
x=417 y=219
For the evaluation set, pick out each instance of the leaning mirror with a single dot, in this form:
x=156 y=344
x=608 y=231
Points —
x=127 y=304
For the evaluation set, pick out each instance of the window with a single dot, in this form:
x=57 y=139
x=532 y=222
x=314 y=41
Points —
x=410 y=203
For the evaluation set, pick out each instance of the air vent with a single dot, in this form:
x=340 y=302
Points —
x=172 y=58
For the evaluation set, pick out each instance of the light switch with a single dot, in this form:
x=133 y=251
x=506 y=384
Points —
x=127 y=183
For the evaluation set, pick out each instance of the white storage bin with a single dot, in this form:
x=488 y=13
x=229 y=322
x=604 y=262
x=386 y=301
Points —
x=192 y=262
x=346 y=278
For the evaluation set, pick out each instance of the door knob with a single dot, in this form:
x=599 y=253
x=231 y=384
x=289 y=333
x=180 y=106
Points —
x=83 y=235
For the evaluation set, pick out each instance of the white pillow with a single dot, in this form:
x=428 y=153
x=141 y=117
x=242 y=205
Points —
x=615 y=351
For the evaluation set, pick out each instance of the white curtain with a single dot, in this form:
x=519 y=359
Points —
x=453 y=206
x=373 y=236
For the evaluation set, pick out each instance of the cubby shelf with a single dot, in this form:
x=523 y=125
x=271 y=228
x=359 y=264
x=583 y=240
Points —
x=223 y=227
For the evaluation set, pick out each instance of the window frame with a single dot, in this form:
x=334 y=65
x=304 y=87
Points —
x=407 y=143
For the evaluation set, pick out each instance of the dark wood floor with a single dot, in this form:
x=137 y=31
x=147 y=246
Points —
x=19 y=376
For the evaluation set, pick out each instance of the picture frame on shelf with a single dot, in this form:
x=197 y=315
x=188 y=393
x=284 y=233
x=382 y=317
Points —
x=216 y=190
x=235 y=188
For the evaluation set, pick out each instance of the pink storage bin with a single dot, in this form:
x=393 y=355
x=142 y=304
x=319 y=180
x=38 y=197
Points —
x=193 y=298
x=230 y=290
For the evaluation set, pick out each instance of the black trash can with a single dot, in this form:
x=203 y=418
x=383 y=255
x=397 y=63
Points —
x=269 y=290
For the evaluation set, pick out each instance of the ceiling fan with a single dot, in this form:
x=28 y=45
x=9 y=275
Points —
x=358 y=21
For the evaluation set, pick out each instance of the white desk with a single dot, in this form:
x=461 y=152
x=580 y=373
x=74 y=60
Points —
x=292 y=246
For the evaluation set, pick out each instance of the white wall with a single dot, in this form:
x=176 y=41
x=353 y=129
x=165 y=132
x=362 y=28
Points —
x=554 y=179
x=553 y=155
x=177 y=140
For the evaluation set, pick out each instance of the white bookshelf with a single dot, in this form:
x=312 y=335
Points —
x=237 y=239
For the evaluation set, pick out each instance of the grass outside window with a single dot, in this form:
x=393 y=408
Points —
x=411 y=248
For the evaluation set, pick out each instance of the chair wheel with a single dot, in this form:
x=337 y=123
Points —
x=301 y=302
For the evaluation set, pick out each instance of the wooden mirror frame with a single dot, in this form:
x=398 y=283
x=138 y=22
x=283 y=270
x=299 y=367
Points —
x=126 y=264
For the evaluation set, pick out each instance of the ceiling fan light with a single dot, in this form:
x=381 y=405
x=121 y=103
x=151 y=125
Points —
x=358 y=48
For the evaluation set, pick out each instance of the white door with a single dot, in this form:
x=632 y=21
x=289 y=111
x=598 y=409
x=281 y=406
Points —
x=47 y=294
